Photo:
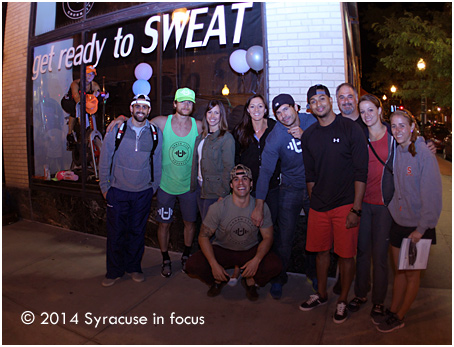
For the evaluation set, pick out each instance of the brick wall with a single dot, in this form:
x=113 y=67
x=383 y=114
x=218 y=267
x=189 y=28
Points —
x=305 y=47
x=13 y=95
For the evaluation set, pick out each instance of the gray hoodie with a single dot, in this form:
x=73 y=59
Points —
x=417 y=197
x=131 y=162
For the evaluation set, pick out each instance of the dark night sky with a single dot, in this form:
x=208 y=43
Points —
x=370 y=13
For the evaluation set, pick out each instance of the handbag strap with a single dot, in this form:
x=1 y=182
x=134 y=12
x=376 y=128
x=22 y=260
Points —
x=375 y=153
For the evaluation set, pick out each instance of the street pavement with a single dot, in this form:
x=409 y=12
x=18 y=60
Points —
x=55 y=275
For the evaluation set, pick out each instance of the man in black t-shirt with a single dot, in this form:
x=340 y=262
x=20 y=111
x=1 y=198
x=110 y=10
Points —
x=336 y=161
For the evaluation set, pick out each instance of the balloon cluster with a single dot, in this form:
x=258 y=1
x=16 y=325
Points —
x=143 y=73
x=241 y=61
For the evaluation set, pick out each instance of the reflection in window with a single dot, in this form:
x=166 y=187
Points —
x=45 y=17
x=49 y=120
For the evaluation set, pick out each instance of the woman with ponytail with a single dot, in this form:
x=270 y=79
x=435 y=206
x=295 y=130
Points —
x=415 y=208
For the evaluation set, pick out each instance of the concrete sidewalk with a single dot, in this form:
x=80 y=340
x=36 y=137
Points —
x=55 y=274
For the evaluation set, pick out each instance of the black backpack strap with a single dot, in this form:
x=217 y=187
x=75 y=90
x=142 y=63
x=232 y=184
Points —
x=381 y=161
x=155 y=139
x=118 y=137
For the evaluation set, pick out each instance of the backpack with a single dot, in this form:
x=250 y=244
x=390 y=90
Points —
x=119 y=137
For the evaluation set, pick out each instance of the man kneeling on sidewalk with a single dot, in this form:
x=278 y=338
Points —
x=236 y=241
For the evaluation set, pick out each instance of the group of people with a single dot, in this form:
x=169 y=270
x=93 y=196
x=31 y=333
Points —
x=359 y=180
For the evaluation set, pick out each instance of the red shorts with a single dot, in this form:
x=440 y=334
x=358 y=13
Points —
x=324 y=228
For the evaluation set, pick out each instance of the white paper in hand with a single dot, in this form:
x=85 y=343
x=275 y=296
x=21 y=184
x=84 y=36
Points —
x=420 y=257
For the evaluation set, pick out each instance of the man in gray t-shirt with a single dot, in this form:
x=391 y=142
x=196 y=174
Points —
x=236 y=241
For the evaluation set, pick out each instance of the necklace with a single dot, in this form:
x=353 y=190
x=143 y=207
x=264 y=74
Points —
x=261 y=128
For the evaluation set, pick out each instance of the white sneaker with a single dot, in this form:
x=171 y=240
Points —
x=137 y=276
x=107 y=282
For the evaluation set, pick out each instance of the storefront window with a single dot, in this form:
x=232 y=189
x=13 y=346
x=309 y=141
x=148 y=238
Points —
x=53 y=15
x=190 y=47
x=49 y=119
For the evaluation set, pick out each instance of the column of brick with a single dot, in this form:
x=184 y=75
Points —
x=305 y=47
x=14 y=94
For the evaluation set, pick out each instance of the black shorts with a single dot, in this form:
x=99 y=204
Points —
x=398 y=233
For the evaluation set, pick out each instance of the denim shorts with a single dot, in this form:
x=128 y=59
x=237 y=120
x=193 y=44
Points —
x=166 y=204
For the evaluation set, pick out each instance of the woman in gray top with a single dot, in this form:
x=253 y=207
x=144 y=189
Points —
x=415 y=208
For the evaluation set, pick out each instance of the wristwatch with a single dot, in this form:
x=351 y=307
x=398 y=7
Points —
x=357 y=212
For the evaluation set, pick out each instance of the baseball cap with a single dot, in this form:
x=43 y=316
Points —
x=185 y=94
x=89 y=69
x=282 y=99
x=242 y=170
x=317 y=89
x=141 y=99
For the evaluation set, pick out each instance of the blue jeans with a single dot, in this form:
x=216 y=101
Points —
x=291 y=202
x=127 y=215
x=203 y=204
x=272 y=200
x=373 y=241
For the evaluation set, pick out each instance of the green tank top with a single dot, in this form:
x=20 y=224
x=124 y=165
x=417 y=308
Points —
x=177 y=159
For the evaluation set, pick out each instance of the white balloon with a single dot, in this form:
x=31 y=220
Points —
x=238 y=61
x=141 y=87
x=143 y=71
x=254 y=58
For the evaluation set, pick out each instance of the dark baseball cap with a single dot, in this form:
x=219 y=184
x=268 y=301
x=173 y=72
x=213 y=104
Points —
x=317 y=89
x=282 y=99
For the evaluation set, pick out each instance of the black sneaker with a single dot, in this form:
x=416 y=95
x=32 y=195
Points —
x=215 y=289
x=166 y=268
x=390 y=324
x=377 y=312
x=184 y=259
x=378 y=318
x=251 y=291
x=355 y=304
x=314 y=301
x=341 y=313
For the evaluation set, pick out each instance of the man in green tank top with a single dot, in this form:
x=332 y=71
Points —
x=179 y=133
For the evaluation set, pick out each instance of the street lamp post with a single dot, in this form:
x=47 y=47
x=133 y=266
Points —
x=393 y=90
x=421 y=65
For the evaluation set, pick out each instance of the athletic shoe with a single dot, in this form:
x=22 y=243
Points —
x=166 y=268
x=356 y=303
x=251 y=291
x=215 y=289
x=391 y=323
x=107 y=282
x=378 y=311
x=232 y=281
x=341 y=313
x=314 y=301
x=276 y=291
x=137 y=276
x=377 y=319
x=184 y=259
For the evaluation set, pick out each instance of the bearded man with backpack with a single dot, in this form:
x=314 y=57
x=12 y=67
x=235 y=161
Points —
x=129 y=173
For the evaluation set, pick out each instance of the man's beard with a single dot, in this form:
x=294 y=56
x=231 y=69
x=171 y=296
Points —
x=142 y=116
x=348 y=109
